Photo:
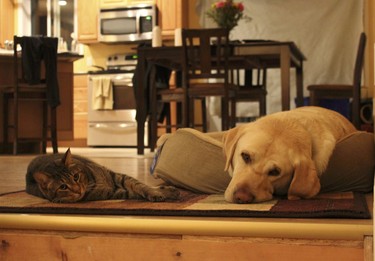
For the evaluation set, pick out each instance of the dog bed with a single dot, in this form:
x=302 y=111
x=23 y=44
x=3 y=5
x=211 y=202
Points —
x=194 y=160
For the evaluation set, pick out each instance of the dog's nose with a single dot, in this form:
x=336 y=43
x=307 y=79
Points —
x=242 y=196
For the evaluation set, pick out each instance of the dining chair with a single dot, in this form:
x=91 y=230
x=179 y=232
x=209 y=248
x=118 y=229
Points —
x=167 y=103
x=253 y=89
x=206 y=70
x=32 y=83
x=160 y=106
x=344 y=91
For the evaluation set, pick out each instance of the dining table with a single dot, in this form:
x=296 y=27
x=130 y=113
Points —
x=259 y=53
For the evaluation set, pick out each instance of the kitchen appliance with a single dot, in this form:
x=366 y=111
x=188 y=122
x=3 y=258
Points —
x=127 y=24
x=115 y=127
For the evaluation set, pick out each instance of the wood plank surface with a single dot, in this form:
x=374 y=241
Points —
x=79 y=246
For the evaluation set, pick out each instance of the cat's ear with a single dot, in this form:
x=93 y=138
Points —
x=67 y=159
x=42 y=179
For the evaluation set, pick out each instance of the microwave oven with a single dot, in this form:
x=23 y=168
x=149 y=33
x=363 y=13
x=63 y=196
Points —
x=127 y=24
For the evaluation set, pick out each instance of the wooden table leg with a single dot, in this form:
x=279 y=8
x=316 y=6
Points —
x=140 y=103
x=299 y=85
x=285 y=77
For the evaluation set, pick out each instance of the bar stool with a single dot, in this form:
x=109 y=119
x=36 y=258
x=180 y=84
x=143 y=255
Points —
x=31 y=86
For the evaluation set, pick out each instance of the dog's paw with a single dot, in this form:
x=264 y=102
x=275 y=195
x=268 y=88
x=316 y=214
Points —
x=163 y=193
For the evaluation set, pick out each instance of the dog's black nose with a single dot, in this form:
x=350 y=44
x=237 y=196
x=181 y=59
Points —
x=242 y=196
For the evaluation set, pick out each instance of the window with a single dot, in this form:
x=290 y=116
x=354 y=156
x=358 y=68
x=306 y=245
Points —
x=53 y=18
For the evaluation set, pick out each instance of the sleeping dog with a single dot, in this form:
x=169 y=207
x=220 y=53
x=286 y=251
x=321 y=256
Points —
x=282 y=154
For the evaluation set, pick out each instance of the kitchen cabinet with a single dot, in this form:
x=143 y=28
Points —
x=6 y=21
x=138 y=2
x=172 y=15
x=122 y=3
x=112 y=3
x=87 y=16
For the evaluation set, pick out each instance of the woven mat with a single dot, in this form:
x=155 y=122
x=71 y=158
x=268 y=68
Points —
x=338 y=205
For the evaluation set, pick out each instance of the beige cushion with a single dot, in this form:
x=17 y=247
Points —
x=195 y=161
x=192 y=160
x=351 y=166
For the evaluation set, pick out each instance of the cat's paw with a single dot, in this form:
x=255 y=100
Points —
x=163 y=193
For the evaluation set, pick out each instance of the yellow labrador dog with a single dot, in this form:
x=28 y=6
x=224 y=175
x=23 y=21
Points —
x=282 y=154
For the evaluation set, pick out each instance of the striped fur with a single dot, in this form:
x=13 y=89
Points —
x=66 y=178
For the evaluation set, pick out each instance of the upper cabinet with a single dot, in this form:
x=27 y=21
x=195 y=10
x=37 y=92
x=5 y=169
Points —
x=137 y=2
x=87 y=16
x=119 y=3
x=172 y=15
x=112 y=3
x=6 y=21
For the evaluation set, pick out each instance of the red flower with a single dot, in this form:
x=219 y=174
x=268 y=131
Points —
x=220 y=4
x=240 y=7
x=226 y=13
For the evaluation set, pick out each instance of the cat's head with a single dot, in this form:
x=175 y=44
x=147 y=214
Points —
x=62 y=180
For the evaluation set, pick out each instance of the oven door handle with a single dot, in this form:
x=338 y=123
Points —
x=123 y=80
x=113 y=126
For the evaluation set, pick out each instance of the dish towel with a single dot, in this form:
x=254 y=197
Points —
x=102 y=93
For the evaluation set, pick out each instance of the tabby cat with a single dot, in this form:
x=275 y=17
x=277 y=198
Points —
x=66 y=178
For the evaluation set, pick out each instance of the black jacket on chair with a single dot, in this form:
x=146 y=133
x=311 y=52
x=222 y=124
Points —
x=34 y=50
x=162 y=77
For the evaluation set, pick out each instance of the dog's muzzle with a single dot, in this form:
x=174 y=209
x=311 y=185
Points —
x=242 y=195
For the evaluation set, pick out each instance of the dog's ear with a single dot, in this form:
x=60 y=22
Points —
x=305 y=182
x=230 y=139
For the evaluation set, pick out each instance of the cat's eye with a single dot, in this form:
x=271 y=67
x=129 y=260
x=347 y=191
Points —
x=76 y=177
x=274 y=172
x=246 y=157
x=63 y=187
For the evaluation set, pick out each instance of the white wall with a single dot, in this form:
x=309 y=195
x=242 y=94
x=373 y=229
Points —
x=326 y=31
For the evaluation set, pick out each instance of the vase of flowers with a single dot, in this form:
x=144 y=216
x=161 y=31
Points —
x=226 y=13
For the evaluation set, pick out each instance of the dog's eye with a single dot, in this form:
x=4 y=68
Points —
x=274 y=172
x=246 y=157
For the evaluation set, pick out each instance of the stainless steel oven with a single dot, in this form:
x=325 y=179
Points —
x=114 y=127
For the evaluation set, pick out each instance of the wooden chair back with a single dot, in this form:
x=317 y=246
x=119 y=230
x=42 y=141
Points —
x=206 y=69
x=35 y=80
x=206 y=53
x=35 y=66
x=357 y=79
x=344 y=91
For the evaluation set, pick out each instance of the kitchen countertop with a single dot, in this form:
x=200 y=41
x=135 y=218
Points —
x=61 y=55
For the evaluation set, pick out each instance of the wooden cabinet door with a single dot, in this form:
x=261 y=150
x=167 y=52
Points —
x=137 y=2
x=112 y=3
x=123 y=3
x=6 y=21
x=172 y=15
x=87 y=15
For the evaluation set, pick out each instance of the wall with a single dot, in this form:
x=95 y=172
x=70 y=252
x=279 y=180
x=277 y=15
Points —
x=96 y=54
x=327 y=33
